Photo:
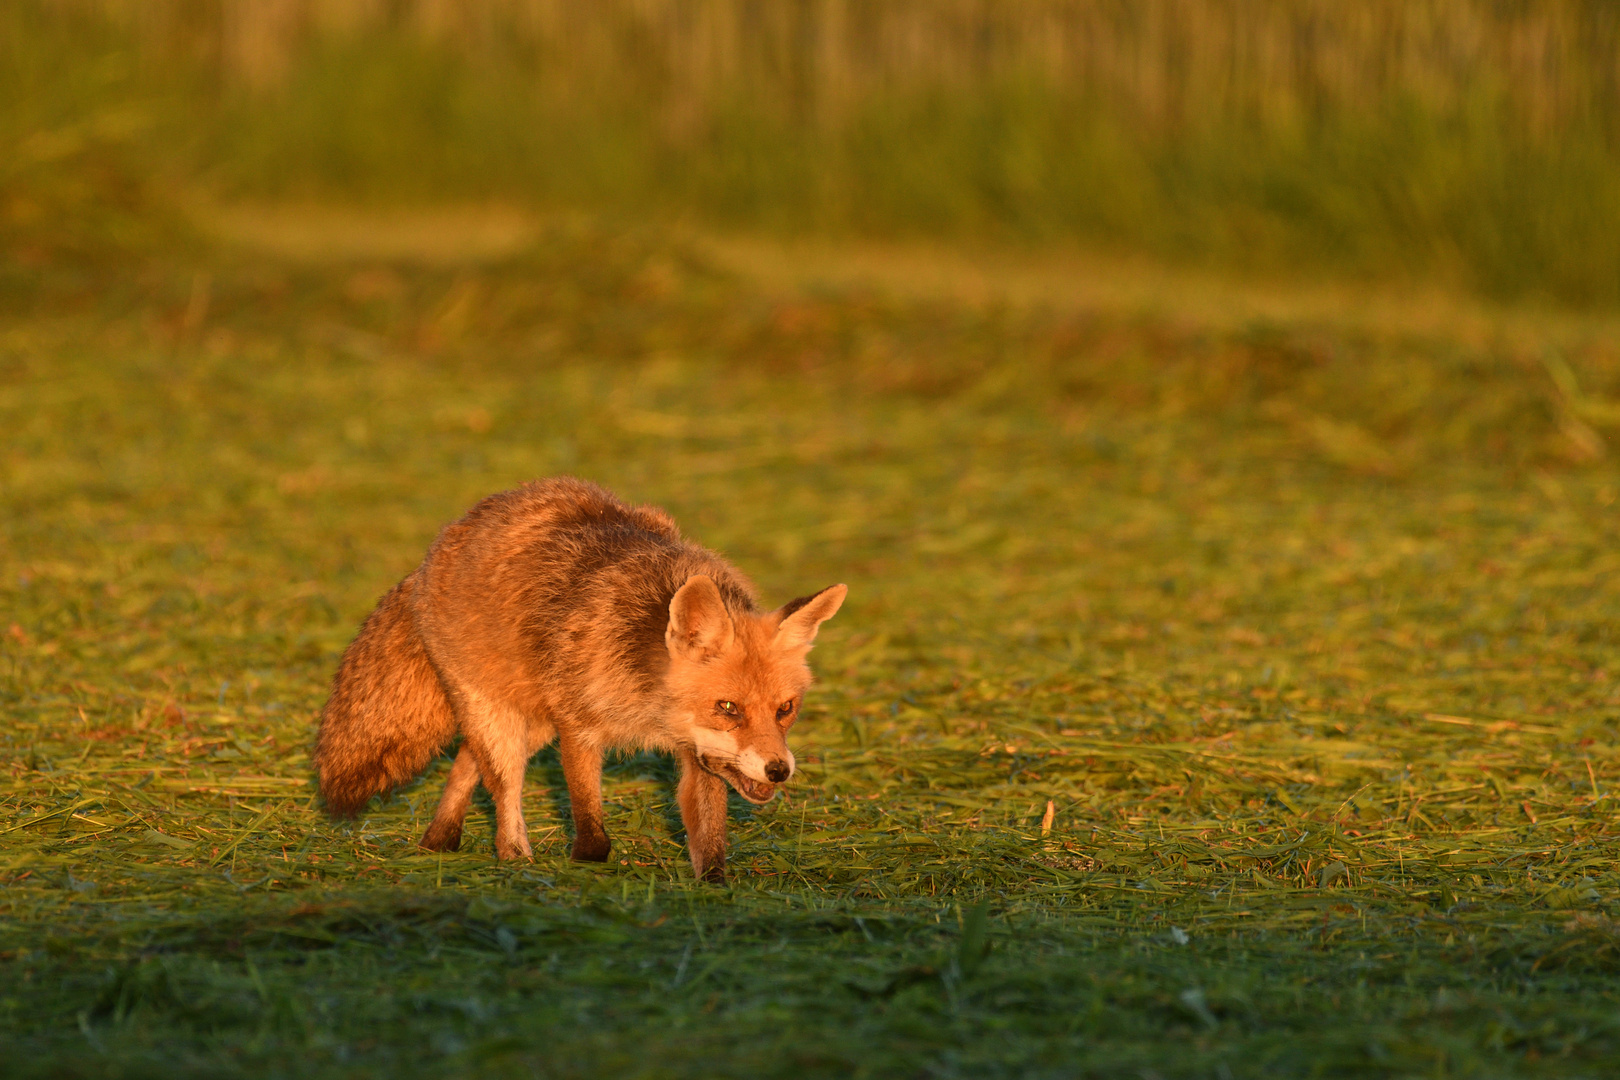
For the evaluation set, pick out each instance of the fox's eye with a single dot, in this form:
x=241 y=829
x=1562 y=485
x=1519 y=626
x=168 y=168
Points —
x=784 y=709
x=727 y=707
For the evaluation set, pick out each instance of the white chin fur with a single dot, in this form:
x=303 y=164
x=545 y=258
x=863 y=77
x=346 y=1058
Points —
x=715 y=744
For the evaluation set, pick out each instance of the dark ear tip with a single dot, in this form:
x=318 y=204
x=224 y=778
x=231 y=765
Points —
x=792 y=607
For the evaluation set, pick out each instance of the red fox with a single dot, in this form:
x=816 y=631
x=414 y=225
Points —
x=556 y=611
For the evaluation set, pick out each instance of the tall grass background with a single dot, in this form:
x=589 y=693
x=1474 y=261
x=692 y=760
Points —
x=1472 y=141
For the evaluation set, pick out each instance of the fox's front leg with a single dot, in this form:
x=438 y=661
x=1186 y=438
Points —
x=702 y=798
x=582 y=770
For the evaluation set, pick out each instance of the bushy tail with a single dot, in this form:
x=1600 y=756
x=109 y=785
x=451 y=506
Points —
x=388 y=714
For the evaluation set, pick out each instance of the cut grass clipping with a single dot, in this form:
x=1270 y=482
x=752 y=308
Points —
x=1206 y=704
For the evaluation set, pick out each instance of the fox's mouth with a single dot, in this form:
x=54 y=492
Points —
x=758 y=792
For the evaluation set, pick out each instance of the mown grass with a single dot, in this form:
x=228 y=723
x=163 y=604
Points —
x=1307 y=637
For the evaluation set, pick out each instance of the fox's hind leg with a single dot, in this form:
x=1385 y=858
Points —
x=496 y=738
x=445 y=832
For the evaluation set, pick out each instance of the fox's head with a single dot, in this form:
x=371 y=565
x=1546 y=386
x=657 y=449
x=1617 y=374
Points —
x=738 y=680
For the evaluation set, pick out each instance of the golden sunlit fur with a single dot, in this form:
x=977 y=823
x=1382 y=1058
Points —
x=557 y=611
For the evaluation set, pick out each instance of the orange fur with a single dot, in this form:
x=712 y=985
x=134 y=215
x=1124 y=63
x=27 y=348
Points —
x=557 y=611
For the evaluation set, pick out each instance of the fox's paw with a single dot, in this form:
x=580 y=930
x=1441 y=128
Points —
x=714 y=875
x=515 y=848
x=441 y=839
x=591 y=848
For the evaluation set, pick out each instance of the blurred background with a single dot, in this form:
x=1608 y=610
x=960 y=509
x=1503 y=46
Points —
x=835 y=281
x=857 y=290
x=1472 y=142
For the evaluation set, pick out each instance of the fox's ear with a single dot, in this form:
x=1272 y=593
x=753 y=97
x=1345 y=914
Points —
x=699 y=626
x=801 y=618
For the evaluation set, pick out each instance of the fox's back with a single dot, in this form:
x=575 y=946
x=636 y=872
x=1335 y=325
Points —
x=558 y=587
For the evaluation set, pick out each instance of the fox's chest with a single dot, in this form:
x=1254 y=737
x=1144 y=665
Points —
x=630 y=721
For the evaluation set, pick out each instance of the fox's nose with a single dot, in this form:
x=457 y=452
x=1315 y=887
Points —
x=778 y=771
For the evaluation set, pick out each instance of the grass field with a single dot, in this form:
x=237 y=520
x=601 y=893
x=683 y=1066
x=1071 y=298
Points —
x=1304 y=630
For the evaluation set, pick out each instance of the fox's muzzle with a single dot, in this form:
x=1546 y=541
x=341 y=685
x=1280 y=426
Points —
x=755 y=791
